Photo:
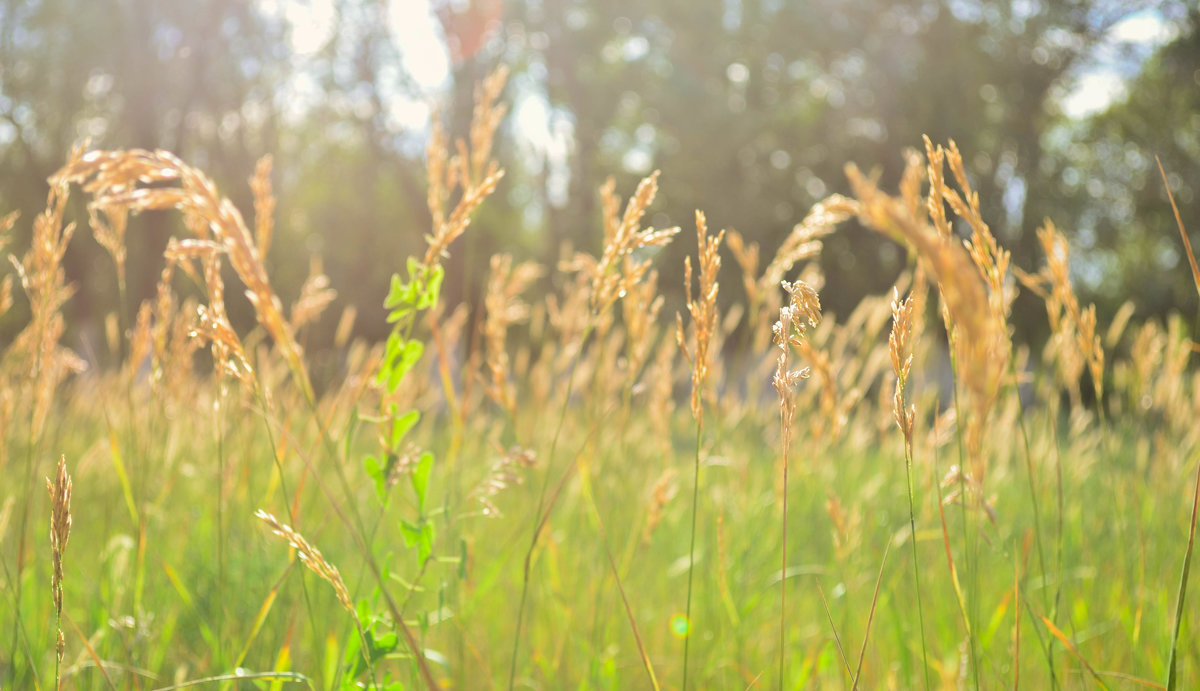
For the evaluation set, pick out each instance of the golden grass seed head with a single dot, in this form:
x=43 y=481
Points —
x=264 y=205
x=60 y=532
x=311 y=557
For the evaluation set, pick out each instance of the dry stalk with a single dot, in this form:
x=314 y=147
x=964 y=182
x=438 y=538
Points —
x=900 y=345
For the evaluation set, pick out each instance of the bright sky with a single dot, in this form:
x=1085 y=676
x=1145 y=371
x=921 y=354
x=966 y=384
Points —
x=1105 y=83
x=412 y=23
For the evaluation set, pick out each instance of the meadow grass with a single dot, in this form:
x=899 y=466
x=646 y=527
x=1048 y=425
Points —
x=512 y=507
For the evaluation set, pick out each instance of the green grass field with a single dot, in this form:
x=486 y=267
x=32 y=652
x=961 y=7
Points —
x=534 y=527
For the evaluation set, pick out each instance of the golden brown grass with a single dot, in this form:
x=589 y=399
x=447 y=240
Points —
x=1074 y=341
x=311 y=557
x=504 y=308
x=470 y=171
x=137 y=181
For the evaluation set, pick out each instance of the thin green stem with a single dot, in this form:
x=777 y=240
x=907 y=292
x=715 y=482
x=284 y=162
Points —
x=1181 y=593
x=783 y=565
x=18 y=624
x=687 y=616
x=962 y=503
x=219 y=414
x=1037 y=520
x=539 y=521
x=912 y=526
x=287 y=501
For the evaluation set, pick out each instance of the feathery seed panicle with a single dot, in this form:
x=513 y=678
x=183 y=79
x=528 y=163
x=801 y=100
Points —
x=900 y=349
x=264 y=205
x=311 y=557
x=747 y=258
x=505 y=473
x=976 y=318
x=702 y=308
x=662 y=493
x=504 y=307
x=639 y=308
x=622 y=237
x=108 y=227
x=471 y=169
x=44 y=282
x=212 y=325
x=1074 y=341
x=803 y=309
x=140 y=180
x=6 y=226
x=60 y=532
x=341 y=335
x=315 y=296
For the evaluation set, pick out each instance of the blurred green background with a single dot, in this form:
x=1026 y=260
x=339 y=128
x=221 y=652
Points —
x=751 y=108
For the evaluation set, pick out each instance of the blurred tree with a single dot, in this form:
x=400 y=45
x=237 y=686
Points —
x=751 y=108
x=195 y=78
x=1108 y=179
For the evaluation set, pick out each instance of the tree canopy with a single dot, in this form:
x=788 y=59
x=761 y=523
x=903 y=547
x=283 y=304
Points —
x=751 y=108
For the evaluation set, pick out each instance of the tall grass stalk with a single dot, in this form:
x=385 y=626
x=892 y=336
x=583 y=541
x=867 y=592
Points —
x=1047 y=648
x=1181 y=592
x=901 y=355
x=803 y=309
x=612 y=564
x=538 y=520
x=703 y=310
x=611 y=274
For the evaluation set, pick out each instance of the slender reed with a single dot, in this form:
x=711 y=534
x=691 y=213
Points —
x=60 y=531
x=901 y=353
x=803 y=309
x=1181 y=592
x=703 y=310
x=608 y=275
